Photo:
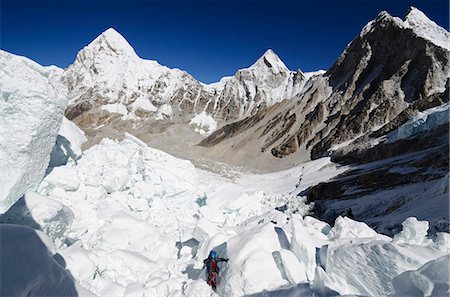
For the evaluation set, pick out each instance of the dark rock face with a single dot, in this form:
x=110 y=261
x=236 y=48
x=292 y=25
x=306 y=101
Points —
x=384 y=193
x=76 y=110
x=425 y=140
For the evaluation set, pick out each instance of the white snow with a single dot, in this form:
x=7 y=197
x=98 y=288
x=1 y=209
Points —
x=68 y=144
x=123 y=219
x=413 y=232
x=141 y=222
x=271 y=60
x=345 y=227
x=129 y=215
x=73 y=134
x=203 y=122
x=31 y=112
x=164 y=111
x=367 y=267
x=144 y=104
x=432 y=279
x=53 y=217
x=303 y=247
x=111 y=67
x=426 y=28
x=423 y=121
x=220 y=85
x=130 y=220
x=310 y=74
x=115 y=108
x=267 y=81
x=127 y=220
x=28 y=268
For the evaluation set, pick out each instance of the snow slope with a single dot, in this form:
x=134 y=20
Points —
x=426 y=28
x=68 y=144
x=203 y=123
x=29 y=268
x=423 y=121
x=139 y=221
x=108 y=75
x=432 y=279
x=31 y=112
x=263 y=84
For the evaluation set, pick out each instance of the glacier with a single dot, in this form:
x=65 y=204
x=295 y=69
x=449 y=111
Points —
x=427 y=120
x=129 y=219
x=31 y=113
x=69 y=140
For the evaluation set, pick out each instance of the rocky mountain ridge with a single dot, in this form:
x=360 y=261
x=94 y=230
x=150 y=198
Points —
x=382 y=109
x=271 y=117
x=387 y=74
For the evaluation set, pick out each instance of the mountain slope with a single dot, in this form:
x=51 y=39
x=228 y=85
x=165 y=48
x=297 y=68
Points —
x=261 y=85
x=109 y=84
x=386 y=75
x=108 y=71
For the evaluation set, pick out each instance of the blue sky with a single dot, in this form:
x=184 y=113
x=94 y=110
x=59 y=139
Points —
x=209 y=39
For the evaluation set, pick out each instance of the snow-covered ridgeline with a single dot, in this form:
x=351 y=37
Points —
x=419 y=23
x=264 y=83
x=426 y=28
x=108 y=74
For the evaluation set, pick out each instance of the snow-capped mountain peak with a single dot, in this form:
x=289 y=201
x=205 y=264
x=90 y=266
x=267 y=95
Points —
x=426 y=28
x=383 y=19
x=270 y=60
x=113 y=43
x=415 y=20
x=109 y=70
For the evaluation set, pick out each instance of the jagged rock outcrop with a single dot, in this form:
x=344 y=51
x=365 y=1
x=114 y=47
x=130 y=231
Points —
x=388 y=73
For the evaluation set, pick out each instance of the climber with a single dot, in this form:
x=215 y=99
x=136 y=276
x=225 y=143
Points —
x=212 y=269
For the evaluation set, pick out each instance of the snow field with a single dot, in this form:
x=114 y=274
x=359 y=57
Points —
x=137 y=221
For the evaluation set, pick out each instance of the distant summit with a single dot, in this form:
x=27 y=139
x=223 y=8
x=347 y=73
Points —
x=111 y=43
x=109 y=77
x=271 y=60
x=426 y=28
